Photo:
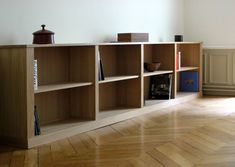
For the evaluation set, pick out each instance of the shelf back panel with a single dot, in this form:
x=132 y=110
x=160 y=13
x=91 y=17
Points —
x=83 y=103
x=122 y=94
x=160 y=53
x=121 y=59
x=53 y=65
x=129 y=59
x=190 y=54
x=13 y=99
x=82 y=64
x=164 y=54
x=53 y=106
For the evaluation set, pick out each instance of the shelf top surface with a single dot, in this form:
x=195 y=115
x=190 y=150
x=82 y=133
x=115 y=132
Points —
x=157 y=72
x=118 y=78
x=53 y=87
x=91 y=44
x=187 y=69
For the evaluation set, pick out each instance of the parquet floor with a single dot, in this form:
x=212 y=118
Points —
x=200 y=133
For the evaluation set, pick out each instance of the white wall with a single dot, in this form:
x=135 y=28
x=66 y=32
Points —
x=210 y=21
x=89 y=20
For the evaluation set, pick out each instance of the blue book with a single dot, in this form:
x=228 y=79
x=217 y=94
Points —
x=189 y=81
x=37 y=130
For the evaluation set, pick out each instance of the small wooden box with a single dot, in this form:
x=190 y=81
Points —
x=133 y=37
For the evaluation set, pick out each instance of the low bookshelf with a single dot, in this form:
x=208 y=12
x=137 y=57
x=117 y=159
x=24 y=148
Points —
x=71 y=98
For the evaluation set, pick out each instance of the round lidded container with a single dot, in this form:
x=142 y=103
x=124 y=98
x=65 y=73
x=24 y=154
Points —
x=43 y=36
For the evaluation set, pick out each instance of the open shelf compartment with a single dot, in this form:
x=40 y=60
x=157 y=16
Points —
x=190 y=56
x=66 y=86
x=63 y=107
x=119 y=96
x=163 y=53
x=64 y=67
x=120 y=62
x=190 y=62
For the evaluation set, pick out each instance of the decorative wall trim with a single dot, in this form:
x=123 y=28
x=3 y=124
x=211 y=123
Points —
x=219 y=71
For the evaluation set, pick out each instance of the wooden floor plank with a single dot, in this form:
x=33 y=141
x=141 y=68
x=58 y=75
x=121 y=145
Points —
x=5 y=158
x=45 y=156
x=199 y=133
x=18 y=158
x=31 y=158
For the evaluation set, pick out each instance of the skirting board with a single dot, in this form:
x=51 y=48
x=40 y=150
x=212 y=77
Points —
x=219 y=90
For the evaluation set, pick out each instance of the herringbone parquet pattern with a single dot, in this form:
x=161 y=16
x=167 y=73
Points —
x=200 y=133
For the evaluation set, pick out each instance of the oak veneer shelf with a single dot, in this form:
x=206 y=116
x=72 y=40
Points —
x=70 y=99
x=118 y=78
x=147 y=74
x=187 y=69
x=53 y=87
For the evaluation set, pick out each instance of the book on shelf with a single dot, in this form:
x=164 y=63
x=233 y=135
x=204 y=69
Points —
x=100 y=68
x=37 y=130
x=189 y=81
x=178 y=60
x=35 y=75
x=160 y=86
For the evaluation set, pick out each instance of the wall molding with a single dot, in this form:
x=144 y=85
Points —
x=219 y=71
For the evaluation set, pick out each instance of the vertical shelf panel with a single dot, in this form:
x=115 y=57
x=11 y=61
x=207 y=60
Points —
x=30 y=92
x=13 y=99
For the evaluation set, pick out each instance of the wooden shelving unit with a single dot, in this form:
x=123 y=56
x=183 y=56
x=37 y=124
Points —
x=70 y=99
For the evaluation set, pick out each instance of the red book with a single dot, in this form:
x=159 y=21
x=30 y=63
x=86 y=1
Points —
x=178 y=60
